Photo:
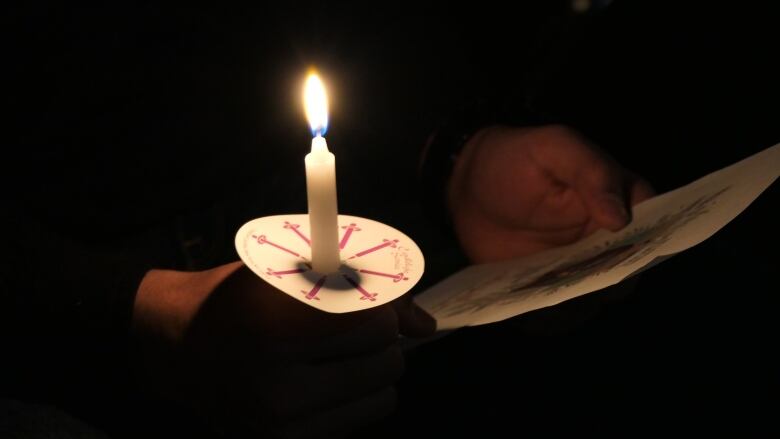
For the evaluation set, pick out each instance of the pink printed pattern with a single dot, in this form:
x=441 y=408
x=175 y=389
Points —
x=263 y=240
x=279 y=274
x=364 y=295
x=294 y=228
x=347 y=233
x=392 y=243
x=395 y=277
x=312 y=294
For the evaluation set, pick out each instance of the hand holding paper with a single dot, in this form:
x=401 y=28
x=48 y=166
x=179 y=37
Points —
x=518 y=191
x=661 y=227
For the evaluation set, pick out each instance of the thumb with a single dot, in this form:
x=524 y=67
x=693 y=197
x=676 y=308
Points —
x=601 y=190
x=413 y=321
x=595 y=176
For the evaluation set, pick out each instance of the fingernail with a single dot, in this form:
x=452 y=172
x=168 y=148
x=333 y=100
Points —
x=614 y=207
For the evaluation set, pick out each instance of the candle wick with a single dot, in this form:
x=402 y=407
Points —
x=318 y=144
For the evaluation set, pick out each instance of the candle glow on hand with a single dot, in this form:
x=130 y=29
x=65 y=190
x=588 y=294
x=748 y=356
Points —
x=321 y=181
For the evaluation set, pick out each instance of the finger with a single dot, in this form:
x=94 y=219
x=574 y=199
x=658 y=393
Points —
x=413 y=321
x=592 y=174
x=638 y=189
x=341 y=421
x=600 y=188
x=304 y=388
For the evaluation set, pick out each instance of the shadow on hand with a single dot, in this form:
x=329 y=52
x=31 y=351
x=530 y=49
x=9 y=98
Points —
x=259 y=360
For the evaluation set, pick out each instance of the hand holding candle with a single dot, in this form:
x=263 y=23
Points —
x=321 y=182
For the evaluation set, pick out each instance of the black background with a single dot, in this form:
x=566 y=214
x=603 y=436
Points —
x=205 y=106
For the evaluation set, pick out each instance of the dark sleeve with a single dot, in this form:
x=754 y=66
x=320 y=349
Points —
x=72 y=255
x=448 y=139
x=66 y=309
x=508 y=74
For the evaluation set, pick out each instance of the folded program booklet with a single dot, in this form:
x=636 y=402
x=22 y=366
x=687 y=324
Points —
x=661 y=227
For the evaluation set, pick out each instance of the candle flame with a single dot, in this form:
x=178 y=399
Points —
x=315 y=102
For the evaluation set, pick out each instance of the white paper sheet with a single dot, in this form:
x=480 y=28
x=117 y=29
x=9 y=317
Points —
x=661 y=227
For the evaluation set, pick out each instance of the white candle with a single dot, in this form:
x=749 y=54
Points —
x=321 y=182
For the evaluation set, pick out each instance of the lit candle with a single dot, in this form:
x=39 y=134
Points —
x=321 y=182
